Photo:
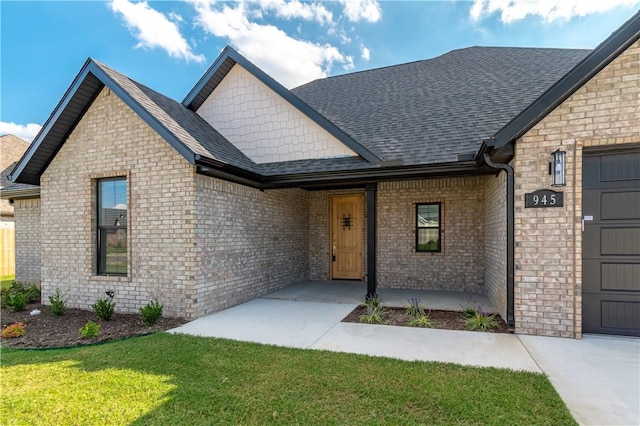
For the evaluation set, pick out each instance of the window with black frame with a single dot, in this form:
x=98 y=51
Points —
x=112 y=226
x=428 y=227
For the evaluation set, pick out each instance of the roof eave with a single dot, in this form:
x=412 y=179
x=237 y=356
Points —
x=599 y=58
x=15 y=194
x=86 y=98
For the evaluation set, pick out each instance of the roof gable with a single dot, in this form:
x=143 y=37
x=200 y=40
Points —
x=184 y=130
x=265 y=126
x=223 y=66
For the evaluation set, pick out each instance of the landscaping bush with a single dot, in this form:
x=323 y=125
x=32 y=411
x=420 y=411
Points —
x=19 y=295
x=57 y=302
x=375 y=313
x=421 y=321
x=13 y=330
x=151 y=313
x=91 y=329
x=104 y=308
x=481 y=321
x=414 y=309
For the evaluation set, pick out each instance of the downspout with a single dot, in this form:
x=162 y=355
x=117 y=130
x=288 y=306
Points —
x=510 y=234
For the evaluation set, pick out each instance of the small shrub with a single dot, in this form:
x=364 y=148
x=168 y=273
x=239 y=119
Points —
x=13 y=330
x=16 y=301
x=372 y=301
x=91 y=329
x=104 y=308
x=468 y=312
x=151 y=313
x=18 y=295
x=57 y=302
x=414 y=309
x=374 y=314
x=422 y=320
x=481 y=321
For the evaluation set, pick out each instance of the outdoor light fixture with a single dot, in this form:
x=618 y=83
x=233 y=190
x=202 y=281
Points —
x=557 y=168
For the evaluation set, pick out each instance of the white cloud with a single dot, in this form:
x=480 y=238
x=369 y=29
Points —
x=24 y=131
x=362 y=10
x=290 y=61
x=366 y=54
x=296 y=9
x=549 y=10
x=155 y=30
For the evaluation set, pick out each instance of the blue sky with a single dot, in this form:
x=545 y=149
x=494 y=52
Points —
x=168 y=45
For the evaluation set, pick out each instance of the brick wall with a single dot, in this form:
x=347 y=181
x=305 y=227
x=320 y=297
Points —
x=111 y=140
x=460 y=265
x=27 y=232
x=249 y=242
x=605 y=111
x=263 y=125
x=495 y=243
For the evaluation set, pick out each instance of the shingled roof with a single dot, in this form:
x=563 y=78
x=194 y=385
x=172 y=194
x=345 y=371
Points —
x=425 y=118
x=434 y=111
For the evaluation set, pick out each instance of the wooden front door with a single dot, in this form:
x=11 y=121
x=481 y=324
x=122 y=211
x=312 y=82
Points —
x=347 y=228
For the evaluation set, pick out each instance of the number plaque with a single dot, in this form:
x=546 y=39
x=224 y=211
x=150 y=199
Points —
x=543 y=198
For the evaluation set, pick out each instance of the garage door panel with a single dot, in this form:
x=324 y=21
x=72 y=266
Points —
x=620 y=276
x=620 y=241
x=610 y=276
x=620 y=205
x=619 y=315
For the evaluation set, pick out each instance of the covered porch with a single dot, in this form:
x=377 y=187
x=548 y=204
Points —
x=354 y=292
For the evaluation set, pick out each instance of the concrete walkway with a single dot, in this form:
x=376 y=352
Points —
x=597 y=377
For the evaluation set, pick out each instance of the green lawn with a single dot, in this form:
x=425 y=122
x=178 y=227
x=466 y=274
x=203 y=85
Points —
x=166 y=379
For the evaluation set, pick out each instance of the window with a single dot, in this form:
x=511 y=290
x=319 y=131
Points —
x=428 y=227
x=112 y=226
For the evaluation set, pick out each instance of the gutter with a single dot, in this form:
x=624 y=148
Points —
x=15 y=194
x=510 y=235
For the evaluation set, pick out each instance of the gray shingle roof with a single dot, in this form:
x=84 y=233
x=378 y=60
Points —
x=188 y=127
x=431 y=111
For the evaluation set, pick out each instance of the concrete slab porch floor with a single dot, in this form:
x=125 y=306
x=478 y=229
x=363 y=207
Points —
x=597 y=377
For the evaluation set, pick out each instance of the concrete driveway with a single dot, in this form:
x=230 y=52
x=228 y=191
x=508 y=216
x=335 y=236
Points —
x=597 y=377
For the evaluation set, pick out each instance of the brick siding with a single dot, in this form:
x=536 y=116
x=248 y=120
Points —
x=548 y=276
x=495 y=244
x=111 y=140
x=249 y=242
x=27 y=232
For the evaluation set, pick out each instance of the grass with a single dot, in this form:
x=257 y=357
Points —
x=6 y=281
x=166 y=379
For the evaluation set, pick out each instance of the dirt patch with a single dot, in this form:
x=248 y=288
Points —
x=48 y=331
x=446 y=320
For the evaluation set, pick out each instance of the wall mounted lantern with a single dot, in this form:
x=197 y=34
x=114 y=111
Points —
x=557 y=168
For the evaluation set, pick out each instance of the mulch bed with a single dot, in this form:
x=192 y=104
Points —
x=48 y=331
x=447 y=320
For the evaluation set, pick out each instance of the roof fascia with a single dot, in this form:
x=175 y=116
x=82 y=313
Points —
x=62 y=104
x=15 y=194
x=90 y=67
x=229 y=53
x=599 y=58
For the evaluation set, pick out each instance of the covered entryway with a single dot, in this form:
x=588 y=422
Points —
x=347 y=236
x=611 y=242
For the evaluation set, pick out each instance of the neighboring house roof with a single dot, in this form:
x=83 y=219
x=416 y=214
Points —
x=425 y=117
x=12 y=148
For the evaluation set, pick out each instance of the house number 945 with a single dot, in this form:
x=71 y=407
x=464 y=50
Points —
x=543 y=198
